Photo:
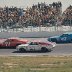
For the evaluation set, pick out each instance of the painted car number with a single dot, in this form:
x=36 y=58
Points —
x=64 y=38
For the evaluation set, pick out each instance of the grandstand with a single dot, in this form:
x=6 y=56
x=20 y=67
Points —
x=67 y=16
x=39 y=15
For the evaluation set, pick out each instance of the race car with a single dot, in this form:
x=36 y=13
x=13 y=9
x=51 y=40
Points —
x=36 y=46
x=64 y=38
x=12 y=42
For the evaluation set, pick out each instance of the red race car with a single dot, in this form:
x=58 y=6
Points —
x=12 y=42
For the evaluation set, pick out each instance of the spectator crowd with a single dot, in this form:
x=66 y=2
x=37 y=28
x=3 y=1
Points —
x=67 y=16
x=41 y=14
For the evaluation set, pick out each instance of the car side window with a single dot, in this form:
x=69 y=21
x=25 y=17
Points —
x=33 y=43
x=36 y=43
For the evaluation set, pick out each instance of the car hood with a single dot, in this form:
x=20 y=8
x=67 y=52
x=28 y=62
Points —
x=54 y=37
x=23 y=45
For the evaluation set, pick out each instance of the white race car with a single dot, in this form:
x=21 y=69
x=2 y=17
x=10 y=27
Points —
x=36 y=46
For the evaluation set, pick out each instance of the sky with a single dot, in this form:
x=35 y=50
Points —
x=29 y=3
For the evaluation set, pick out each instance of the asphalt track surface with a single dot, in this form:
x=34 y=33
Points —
x=59 y=50
x=39 y=34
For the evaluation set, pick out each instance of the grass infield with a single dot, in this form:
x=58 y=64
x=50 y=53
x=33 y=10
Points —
x=36 y=64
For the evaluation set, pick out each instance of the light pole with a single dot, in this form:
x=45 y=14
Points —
x=70 y=23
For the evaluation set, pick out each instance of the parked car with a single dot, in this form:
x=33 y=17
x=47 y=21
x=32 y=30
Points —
x=64 y=38
x=36 y=46
x=12 y=42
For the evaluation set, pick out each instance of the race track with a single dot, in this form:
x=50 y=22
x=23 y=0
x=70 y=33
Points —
x=59 y=50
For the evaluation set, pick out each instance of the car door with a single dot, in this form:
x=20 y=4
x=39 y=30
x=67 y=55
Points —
x=33 y=46
x=64 y=38
x=36 y=46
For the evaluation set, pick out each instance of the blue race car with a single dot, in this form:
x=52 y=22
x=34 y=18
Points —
x=64 y=38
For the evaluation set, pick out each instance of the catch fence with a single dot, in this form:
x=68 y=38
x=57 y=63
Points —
x=36 y=29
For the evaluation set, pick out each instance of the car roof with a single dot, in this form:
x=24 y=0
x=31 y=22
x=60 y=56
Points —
x=68 y=33
x=13 y=38
x=16 y=38
x=38 y=41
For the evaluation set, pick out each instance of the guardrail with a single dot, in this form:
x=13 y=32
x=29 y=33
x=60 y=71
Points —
x=36 y=29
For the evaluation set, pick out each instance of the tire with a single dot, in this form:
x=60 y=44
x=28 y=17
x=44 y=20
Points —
x=44 y=49
x=22 y=50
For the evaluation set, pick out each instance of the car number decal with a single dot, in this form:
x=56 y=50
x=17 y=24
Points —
x=64 y=38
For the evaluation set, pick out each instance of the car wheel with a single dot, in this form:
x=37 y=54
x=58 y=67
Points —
x=44 y=49
x=22 y=50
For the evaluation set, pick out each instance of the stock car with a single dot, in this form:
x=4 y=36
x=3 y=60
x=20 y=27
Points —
x=64 y=38
x=12 y=42
x=36 y=46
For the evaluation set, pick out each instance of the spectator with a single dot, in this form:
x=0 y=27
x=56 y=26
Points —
x=67 y=16
x=37 y=15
